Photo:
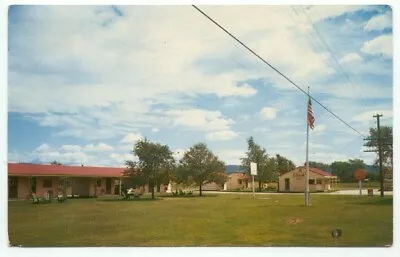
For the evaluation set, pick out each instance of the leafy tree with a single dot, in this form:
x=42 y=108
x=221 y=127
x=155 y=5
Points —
x=266 y=167
x=319 y=165
x=154 y=164
x=271 y=173
x=387 y=144
x=345 y=170
x=283 y=164
x=373 y=176
x=199 y=166
x=55 y=163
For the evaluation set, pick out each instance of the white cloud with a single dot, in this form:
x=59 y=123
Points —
x=381 y=45
x=262 y=129
x=89 y=155
x=268 y=113
x=43 y=148
x=178 y=154
x=320 y=12
x=199 y=119
x=319 y=128
x=350 y=57
x=71 y=148
x=131 y=138
x=317 y=146
x=221 y=135
x=379 y=22
x=155 y=130
x=46 y=154
x=101 y=147
x=367 y=116
x=121 y=158
x=358 y=91
x=230 y=157
x=245 y=90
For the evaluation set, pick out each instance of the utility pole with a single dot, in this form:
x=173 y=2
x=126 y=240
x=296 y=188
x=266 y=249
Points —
x=379 y=150
x=377 y=116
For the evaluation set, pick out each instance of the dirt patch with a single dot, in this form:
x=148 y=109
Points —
x=294 y=221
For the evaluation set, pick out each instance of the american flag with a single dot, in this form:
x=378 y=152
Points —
x=310 y=115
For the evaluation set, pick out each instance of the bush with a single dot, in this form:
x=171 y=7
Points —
x=182 y=193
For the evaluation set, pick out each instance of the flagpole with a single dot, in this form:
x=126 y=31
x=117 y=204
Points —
x=307 y=189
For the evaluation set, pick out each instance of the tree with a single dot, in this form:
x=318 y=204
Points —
x=284 y=164
x=345 y=170
x=55 y=163
x=386 y=144
x=266 y=167
x=373 y=176
x=319 y=165
x=154 y=164
x=199 y=166
x=271 y=173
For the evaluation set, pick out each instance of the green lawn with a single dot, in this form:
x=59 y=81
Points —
x=212 y=220
x=354 y=185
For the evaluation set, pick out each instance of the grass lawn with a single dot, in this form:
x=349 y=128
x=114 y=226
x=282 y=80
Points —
x=212 y=220
x=354 y=185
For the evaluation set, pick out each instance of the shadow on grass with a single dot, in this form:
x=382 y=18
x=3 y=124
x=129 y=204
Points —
x=377 y=201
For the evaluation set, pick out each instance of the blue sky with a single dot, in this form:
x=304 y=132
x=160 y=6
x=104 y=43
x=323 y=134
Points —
x=85 y=82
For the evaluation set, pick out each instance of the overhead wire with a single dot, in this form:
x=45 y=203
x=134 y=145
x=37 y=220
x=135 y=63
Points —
x=276 y=70
x=341 y=72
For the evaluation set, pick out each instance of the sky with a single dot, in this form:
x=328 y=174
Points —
x=86 y=82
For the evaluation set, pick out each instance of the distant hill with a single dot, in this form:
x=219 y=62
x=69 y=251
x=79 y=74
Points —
x=371 y=168
x=232 y=168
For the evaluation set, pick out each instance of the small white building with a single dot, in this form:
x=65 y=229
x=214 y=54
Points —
x=295 y=180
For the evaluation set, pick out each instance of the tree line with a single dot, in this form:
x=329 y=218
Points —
x=199 y=165
x=156 y=165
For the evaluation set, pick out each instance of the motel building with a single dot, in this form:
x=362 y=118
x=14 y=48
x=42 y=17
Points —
x=25 y=179
x=235 y=181
x=319 y=180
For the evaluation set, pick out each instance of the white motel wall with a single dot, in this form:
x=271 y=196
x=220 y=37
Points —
x=295 y=180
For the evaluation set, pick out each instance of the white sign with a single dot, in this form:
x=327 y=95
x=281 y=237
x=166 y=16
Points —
x=253 y=168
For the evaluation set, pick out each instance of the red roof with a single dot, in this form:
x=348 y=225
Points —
x=315 y=170
x=320 y=172
x=27 y=169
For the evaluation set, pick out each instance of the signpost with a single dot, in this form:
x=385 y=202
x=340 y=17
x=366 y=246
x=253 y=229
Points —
x=253 y=172
x=360 y=175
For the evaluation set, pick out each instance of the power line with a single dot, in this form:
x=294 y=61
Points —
x=276 y=70
x=319 y=42
x=342 y=73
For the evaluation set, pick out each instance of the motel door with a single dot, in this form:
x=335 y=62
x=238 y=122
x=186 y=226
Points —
x=108 y=186
x=12 y=187
x=287 y=184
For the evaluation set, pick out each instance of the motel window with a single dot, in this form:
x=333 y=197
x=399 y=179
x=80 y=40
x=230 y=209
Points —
x=98 y=182
x=47 y=183
x=319 y=182
x=311 y=181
